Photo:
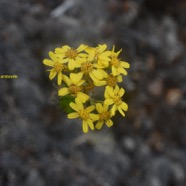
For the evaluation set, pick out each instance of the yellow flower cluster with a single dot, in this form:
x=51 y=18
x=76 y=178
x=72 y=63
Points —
x=79 y=71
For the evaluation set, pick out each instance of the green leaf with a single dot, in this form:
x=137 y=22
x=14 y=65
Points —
x=64 y=103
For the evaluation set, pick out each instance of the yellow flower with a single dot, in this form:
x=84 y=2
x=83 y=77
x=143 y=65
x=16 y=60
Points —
x=104 y=116
x=84 y=114
x=99 y=54
x=72 y=56
x=117 y=66
x=113 y=80
x=96 y=74
x=114 y=97
x=110 y=81
x=58 y=67
x=74 y=88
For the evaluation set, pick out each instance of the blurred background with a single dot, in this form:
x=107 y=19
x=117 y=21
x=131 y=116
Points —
x=39 y=146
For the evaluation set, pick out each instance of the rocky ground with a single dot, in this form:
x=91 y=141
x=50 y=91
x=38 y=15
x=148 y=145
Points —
x=40 y=147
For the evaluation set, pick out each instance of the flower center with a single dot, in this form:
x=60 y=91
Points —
x=58 y=67
x=83 y=114
x=71 y=53
x=104 y=116
x=74 y=89
x=111 y=80
x=115 y=62
x=117 y=99
x=86 y=67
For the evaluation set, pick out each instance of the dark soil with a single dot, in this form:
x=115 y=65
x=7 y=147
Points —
x=39 y=146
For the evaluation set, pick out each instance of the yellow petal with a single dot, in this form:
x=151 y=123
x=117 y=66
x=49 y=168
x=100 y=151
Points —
x=85 y=126
x=117 y=53
x=102 y=48
x=94 y=117
x=63 y=91
x=81 y=48
x=119 y=78
x=73 y=115
x=109 y=123
x=80 y=60
x=113 y=110
x=74 y=106
x=59 y=51
x=62 y=50
x=99 y=125
x=94 y=78
x=121 y=92
x=75 y=78
x=99 y=107
x=110 y=91
x=98 y=66
x=78 y=64
x=90 y=108
x=122 y=71
x=59 y=78
x=121 y=111
x=82 y=55
x=105 y=107
x=106 y=95
x=116 y=90
x=114 y=71
x=97 y=74
x=52 y=56
x=80 y=82
x=90 y=124
x=100 y=83
x=124 y=64
x=105 y=56
x=48 y=62
x=91 y=55
x=60 y=56
x=79 y=103
x=71 y=64
x=102 y=63
x=65 y=47
x=104 y=74
x=124 y=106
x=89 y=49
x=108 y=102
x=83 y=97
x=52 y=74
x=65 y=60
x=66 y=80
x=106 y=53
